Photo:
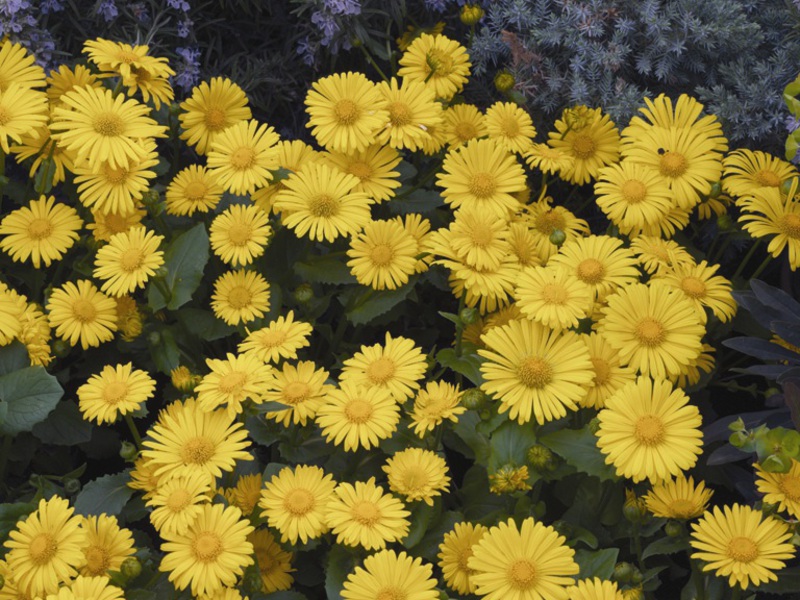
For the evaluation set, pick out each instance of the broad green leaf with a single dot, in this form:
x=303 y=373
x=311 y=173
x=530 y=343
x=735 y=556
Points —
x=509 y=445
x=596 y=563
x=204 y=324
x=370 y=303
x=428 y=547
x=164 y=349
x=478 y=503
x=418 y=201
x=263 y=431
x=325 y=269
x=185 y=258
x=666 y=545
x=107 y=494
x=338 y=565
x=468 y=365
x=421 y=517
x=282 y=595
x=466 y=430
x=30 y=395
x=13 y=358
x=65 y=426
x=579 y=448
x=11 y=513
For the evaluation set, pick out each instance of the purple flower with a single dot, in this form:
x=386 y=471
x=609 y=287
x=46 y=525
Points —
x=791 y=123
x=185 y=27
x=189 y=72
x=12 y=7
x=437 y=5
x=179 y=5
x=307 y=50
x=51 y=6
x=108 y=9
x=326 y=24
x=343 y=7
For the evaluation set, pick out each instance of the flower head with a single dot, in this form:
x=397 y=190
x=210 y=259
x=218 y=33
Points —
x=116 y=390
x=82 y=313
x=128 y=260
x=387 y=574
x=213 y=107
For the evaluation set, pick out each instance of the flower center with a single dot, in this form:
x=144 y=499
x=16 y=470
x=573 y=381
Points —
x=381 y=255
x=583 y=146
x=5 y=116
x=742 y=549
x=365 y=512
x=534 y=372
x=414 y=480
x=215 y=119
x=463 y=559
x=115 y=392
x=440 y=63
x=380 y=370
x=400 y=114
x=360 y=169
x=109 y=124
x=391 y=593
x=591 y=271
x=481 y=235
x=115 y=223
x=295 y=392
x=84 y=311
x=42 y=548
x=633 y=191
x=243 y=158
x=178 y=500
x=673 y=164
x=790 y=486
x=127 y=57
x=548 y=221
x=650 y=332
x=649 y=430
x=346 y=111
x=682 y=508
x=272 y=339
x=195 y=191
x=553 y=293
x=790 y=225
x=465 y=131
x=231 y=383
x=693 y=287
x=522 y=574
x=239 y=297
x=131 y=259
x=39 y=229
x=767 y=178
x=115 y=176
x=482 y=185
x=239 y=234
x=207 y=546
x=358 y=411
x=602 y=370
x=197 y=451
x=97 y=560
x=324 y=206
x=299 y=502
x=509 y=127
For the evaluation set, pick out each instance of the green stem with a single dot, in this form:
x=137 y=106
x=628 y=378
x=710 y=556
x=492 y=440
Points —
x=118 y=87
x=460 y=329
x=746 y=259
x=699 y=581
x=720 y=251
x=371 y=61
x=543 y=187
x=161 y=286
x=637 y=545
x=437 y=441
x=137 y=439
x=736 y=593
x=762 y=266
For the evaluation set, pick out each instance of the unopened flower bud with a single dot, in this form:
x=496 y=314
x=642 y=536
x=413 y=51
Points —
x=786 y=186
x=558 y=237
x=716 y=190
x=724 y=222
x=182 y=379
x=303 y=293
x=154 y=338
x=737 y=425
x=471 y=14
x=72 y=486
x=61 y=348
x=131 y=567
x=738 y=439
x=128 y=451
x=594 y=425
x=473 y=399
x=469 y=315
x=635 y=508
x=540 y=458
x=777 y=463
x=674 y=529
x=622 y=572
x=504 y=81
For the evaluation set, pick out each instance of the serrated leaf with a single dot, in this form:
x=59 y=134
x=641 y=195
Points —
x=338 y=564
x=596 y=563
x=107 y=494
x=184 y=259
x=369 y=304
x=30 y=395
x=468 y=365
x=65 y=426
x=13 y=358
x=666 y=545
x=579 y=448
x=325 y=269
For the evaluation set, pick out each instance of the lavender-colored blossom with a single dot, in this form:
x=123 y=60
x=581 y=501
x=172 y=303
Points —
x=343 y=7
x=12 y=7
x=51 y=6
x=307 y=50
x=436 y=5
x=185 y=27
x=179 y=5
x=108 y=9
x=326 y=24
x=188 y=73
x=792 y=123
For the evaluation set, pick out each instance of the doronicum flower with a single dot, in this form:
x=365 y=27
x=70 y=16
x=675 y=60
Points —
x=128 y=261
x=116 y=390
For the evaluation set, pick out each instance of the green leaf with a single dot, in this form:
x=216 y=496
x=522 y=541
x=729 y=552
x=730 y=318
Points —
x=65 y=426
x=325 y=269
x=478 y=502
x=107 y=494
x=788 y=582
x=339 y=563
x=468 y=365
x=185 y=258
x=418 y=201
x=164 y=350
x=466 y=430
x=579 y=448
x=428 y=547
x=11 y=513
x=370 y=304
x=204 y=324
x=264 y=432
x=421 y=517
x=282 y=595
x=510 y=444
x=666 y=545
x=13 y=358
x=596 y=563
x=30 y=395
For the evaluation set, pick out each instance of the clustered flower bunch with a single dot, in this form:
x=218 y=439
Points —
x=287 y=420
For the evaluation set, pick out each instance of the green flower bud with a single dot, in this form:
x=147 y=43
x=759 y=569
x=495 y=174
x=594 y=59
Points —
x=635 y=508
x=636 y=577
x=473 y=399
x=724 y=222
x=737 y=425
x=469 y=315
x=303 y=293
x=716 y=190
x=72 y=486
x=154 y=338
x=540 y=458
x=777 y=463
x=738 y=439
x=61 y=348
x=622 y=572
x=558 y=237
x=128 y=451
x=594 y=425
x=674 y=529
x=471 y=14
x=131 y=567
x=504 y=81
x=786 y=186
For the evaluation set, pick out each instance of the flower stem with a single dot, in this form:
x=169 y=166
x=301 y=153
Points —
x=637 y=545
x=699 y=582
x=762 y=266
x=371 y=61
x=746 y=259
x=137 y=439
x=736 y=593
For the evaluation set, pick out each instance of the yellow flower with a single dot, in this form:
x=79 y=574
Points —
x=432 y=405
x=282 y=338
x=532 y=560
x=35 y=334
x=301 y=388
x=194 y=189
x=768 y=213
x=419 y=229
x=213 y=107
x=17 y=65
x=553 y=297
x=356 y=417
x=44 y=549
x=152 y=81
x=118 y=57
x=678 y=498
x=648 y=430
x=548 y=160
x=82 y=313
x=655 y=254
x=48 y=156
x=595 y=589
x=212 y=553
x=128 y=261
x=478 y=238
x=240 y=296
x=295 y=501
x=246 y=493
x=240 y=234
x=362 y=515
x=440 y=63
x=609 y=375
x=592 y=140
x=106 y=546
x=746 y=172
x=413 y=110
x=542 y=220
x=274 y=563
x=511 y=126
x=65 y=79
x=109 y=224
x=292 y=156
x=387 y=574
x=177 y=501
x=462 y=123
x=100 y=127
x=699 y=284
x=782 y=489
x=12 y=311
x=88 y=588
x=22 y=110
x=42 y=231
x=454 y=554
x=241 y=157
x=383 y=255
x=373 y=167
x=535 y=372
x=742 y=544
x=117 y=390
x=346 y=111
x=233 y=381
x=509 y=479
x=129 y=319
x=397 y=366
x=417 y=474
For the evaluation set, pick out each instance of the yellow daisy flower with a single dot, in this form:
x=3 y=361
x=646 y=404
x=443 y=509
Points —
x=17 y=65
x=345 y=112
x=553 y=296
x=543 y=219
x=82 y=313
x=490 y=289
x=47 y=155
x=363 y=515
x=240 y=234
x=233 y=381
x=437 y=61
x=454 y=554
x=295 y=501
x=434 y=404
x=768 y=213
x=417 y=474
x=282 y=338
x=128 y=261
x=292 y=156
x=116 y=390
x=274 y=563
x=590 y=138
x=12 y=311
x=547 y=159
x=655 y=253
x=742 y=544
x=35 y=334
x=212 y=553
x=109 y=224
x=22 y=110
x=152 y=80
x=301 y=388
x=524 y=245
x=212 y=108
x=462 y=123
x=43 y=231
x=418 y=228
x=119 y=57
x=595 y=589
x=177 y=500
x=84 y=588
x=413 y=110
x=678 y=498
x=478 y=238
x=144 y=478
x=247 y=492
x=609 y=375
x=106 y=546
x=534 y=371
x=194 y=189
x=387 y=574
x=383 y=255
x=240 y=296
x=782 y=489
x=511 y=125
x=700 y=285
x=373 y=166
x=746 y=172
x=242 y=157
x=356 y=417
x=65 y=79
